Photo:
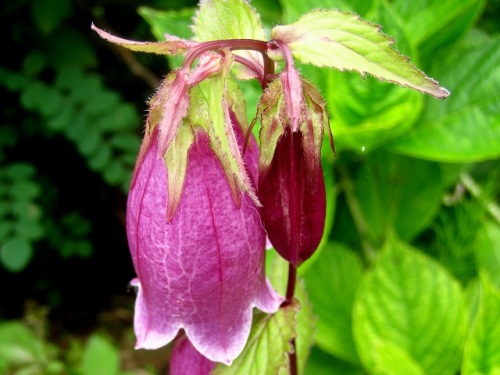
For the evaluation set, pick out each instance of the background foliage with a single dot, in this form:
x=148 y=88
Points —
x=408 y=275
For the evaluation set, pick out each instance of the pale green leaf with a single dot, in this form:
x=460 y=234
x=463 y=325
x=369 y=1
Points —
x=230 y=19
x=409 y=315
x=227 y=19
x=398 y=194
x=482 y=349
x=487 y=248
x=100 y=357
x=332 y=282
x=465 y=127
x=345 y=42
x=306 y=319
x=293 y=9
x=268 y=344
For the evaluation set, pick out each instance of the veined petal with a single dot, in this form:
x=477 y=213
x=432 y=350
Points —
x=202 y=271
x=170 y=47
x=186 y=360
x=293 y=211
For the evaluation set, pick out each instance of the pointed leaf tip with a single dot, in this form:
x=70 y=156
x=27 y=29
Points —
x=346 y=42
x=169 y=47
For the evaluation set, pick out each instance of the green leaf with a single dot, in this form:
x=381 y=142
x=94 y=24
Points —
x=321 y=363
x=487 y=246
x=230 y=19
x=18 y=344
x=345 y=42
x=49 y=14
x=434 y=24
x=482 y=349
x=15 y=254
x=465 y=127
x=398 y=193
x=368 y=113
x=19 y=171
x=306 y=319
x=268 y=344
x=293 y=9
x=409 y=315
x=332 y=282
x=173 y=22
x=100 y=357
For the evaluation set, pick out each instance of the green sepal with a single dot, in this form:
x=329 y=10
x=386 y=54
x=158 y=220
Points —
x=176 y=162
x=210 y=109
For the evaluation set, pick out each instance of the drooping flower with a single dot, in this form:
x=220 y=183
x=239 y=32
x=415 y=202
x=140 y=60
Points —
x=291 y=186
x=202 y=271
x=186 y=360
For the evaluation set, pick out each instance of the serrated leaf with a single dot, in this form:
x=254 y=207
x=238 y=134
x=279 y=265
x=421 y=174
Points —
x=465 y=127
x=409 y=315
x=343 y=41
x=482 y=349
x=268 y=344
x=229 y=19
x=170 y=47
x=398 y=194
x=332 y=282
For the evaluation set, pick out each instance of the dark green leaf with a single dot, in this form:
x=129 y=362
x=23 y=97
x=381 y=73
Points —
x=15 y=254
x=398 y=193
x=466 y=126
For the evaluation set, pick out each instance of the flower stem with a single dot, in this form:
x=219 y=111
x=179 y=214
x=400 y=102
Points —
x=290 y=291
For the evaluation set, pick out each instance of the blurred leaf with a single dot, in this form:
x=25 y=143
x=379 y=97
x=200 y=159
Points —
x=69 y=47
x=34 y=63
x=15 y=254
x=18 y=344
x=101 y=103
x=29 y=229
x=6 y=227
x=409 y=315
x=332 y=282
x=482 y=349
x=398 y=193
x=49 y=14
x=292 y=10
x=465 y=127
x=487 y=247
x=90 y=143
x=101 y=159
x=114 y=174
x=25 y=190
x=269 y=340
x=20 y=171
x=434 y=24
x=126 y=142
x=100 y=357
x=173 y=22
x=321 y=363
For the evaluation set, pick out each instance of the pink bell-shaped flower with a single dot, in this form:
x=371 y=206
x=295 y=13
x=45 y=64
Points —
x=203 y=269
x=186 y=360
